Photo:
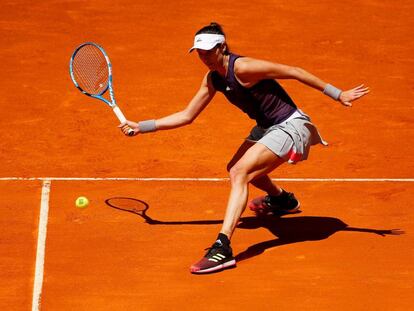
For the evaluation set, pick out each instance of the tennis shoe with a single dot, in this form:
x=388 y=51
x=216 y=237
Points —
x=218 y=257
x=285 y=203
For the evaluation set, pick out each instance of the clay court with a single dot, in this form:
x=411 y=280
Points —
x=346 y=250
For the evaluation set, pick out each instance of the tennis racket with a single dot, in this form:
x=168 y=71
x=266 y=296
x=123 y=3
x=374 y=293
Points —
x=91 y=72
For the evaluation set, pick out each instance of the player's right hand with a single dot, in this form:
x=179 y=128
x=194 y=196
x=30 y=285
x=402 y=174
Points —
x=127 y=126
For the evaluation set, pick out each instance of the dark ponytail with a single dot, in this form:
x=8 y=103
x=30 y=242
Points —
x=217 y=29
x=213 y=28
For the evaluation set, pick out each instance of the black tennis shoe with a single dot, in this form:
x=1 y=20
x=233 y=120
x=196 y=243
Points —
x=218 y=257
x=285 y=203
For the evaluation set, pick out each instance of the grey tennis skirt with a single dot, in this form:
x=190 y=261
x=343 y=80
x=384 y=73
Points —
x=290 y=140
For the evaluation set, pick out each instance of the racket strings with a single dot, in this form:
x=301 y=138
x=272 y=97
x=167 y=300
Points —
x=91 y=70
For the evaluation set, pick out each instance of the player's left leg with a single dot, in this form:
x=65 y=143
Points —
x=276 y=200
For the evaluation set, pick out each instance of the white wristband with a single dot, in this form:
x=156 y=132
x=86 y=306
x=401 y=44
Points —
x=147 y=126
x=332 y=91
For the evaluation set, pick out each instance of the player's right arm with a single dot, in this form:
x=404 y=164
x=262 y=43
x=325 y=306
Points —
x=186 y=116
x=200 y=101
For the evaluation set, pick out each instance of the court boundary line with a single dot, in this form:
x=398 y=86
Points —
x=41 y=245
x=207 y=179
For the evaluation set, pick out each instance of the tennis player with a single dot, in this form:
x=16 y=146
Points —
x=283 y=133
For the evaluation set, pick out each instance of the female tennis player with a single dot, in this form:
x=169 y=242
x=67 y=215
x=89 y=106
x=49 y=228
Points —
x=283 y=133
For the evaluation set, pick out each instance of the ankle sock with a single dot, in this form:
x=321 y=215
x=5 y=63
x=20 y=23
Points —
x=224 y=239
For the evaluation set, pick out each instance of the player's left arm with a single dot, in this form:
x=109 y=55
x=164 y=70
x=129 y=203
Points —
x=250 y=71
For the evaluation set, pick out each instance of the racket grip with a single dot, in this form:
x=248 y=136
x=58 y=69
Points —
x=122 y=119
x=119 y=114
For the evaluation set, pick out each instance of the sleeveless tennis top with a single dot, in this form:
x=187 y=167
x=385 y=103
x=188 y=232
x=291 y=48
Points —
x=266 y=101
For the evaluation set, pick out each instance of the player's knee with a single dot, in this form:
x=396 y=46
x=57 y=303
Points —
x=238 y=174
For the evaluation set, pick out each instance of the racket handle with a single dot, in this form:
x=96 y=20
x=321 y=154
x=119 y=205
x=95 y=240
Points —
x=119 y=114
x=122 y=119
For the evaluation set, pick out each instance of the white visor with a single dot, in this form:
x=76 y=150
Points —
x=207 y=41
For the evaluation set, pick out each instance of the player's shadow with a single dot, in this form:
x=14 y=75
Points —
x=297 y=229
x=287 y=230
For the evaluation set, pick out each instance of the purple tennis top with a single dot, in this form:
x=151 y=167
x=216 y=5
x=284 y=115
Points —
x=266 y=101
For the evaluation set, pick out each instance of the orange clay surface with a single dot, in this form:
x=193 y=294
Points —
x=329 y=257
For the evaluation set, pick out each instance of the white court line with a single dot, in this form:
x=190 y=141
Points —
x=41 y=244
x=204 y=179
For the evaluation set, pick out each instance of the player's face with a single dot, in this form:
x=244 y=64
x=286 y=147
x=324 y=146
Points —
x=213 y=58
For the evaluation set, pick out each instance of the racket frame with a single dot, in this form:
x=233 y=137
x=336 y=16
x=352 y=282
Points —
x=99 y=96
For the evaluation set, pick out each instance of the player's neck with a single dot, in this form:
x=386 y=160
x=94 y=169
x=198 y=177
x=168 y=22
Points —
x=223 y=68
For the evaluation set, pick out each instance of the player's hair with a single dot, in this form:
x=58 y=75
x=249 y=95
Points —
x=215 y=28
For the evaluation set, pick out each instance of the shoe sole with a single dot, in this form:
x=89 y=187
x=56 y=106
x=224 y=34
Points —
x=290 y=211
x=223 y=266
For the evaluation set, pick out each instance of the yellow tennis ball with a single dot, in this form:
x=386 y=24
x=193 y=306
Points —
x=82 y=202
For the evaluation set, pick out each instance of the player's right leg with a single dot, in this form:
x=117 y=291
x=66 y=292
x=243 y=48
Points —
x=263 y=182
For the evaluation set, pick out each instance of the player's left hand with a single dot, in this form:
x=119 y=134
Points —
x=349 y=96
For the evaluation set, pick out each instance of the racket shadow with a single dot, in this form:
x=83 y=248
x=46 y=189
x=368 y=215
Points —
x=139 y=207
